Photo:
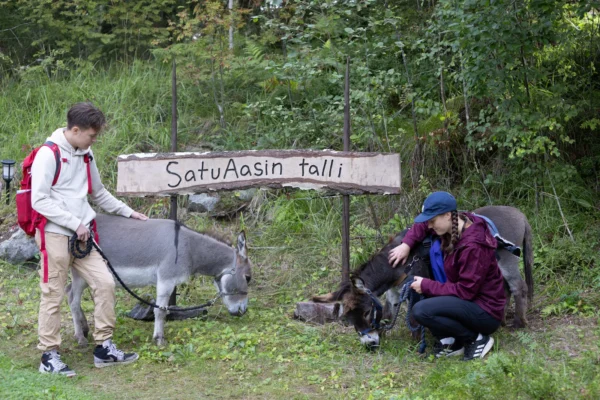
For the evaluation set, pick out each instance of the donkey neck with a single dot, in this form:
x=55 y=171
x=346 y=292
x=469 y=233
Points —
x=210 y=256
x=378 y=276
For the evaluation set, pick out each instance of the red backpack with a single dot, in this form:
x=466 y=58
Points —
x=29 y=219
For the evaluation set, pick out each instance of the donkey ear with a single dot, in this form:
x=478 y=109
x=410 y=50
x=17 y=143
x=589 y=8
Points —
x=241 y=245
x=359 y=285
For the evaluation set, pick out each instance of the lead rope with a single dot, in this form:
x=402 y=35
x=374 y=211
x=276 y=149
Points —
x=78 y=252
x=411 y=297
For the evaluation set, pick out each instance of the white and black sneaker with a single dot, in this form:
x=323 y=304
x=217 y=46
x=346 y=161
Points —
x=107 y=354
x=52 y=364
x=445 y=348
x=478 y=348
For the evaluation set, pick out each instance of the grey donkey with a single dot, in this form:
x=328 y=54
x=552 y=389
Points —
x=512 y=225
x=164 y=253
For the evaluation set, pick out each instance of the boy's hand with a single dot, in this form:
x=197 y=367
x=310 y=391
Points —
x=137 y=215
x=83 y=233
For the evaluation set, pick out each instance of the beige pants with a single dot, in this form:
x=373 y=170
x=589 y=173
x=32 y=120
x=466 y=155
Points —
x=93 y=270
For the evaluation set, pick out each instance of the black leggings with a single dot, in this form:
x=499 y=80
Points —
x=449 y=316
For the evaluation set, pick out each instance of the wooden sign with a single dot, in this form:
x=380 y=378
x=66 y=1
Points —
x=185 y=173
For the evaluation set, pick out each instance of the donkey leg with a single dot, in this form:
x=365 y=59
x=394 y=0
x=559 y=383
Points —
x=507 y=293
x=392 y=301
x=520 y=319
x=509 y=265
x=163 y=292
x=74 y=293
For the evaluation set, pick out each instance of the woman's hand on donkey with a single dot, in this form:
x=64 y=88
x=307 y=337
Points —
x=398 y=255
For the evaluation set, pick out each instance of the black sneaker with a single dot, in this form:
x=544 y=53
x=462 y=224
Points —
x=448 y=350
x=107 y=354
x=51 y=364
x=478 y=348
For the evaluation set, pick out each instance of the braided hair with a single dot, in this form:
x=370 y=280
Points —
x=449 y=240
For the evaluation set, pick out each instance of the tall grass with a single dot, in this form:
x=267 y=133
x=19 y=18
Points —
x=136 y=100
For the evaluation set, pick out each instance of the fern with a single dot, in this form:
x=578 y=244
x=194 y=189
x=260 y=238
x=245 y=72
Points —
x=254 y=49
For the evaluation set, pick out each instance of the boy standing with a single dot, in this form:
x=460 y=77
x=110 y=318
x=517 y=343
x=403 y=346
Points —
x=67 y=210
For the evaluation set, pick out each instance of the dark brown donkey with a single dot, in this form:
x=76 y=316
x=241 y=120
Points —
x=361 y=306
x=359 y=297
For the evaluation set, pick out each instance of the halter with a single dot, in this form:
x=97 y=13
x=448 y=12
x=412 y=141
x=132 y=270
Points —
x=376 y=304
x=229 y=271
x=375 y=308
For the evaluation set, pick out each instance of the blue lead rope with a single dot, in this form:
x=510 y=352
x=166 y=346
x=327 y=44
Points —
x=411 y=297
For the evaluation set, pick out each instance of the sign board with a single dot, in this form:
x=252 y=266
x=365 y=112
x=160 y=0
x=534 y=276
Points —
x=162 y=174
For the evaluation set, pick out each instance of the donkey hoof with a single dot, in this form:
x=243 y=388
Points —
x=81 y=341
x=160 y=341
x=519 y=324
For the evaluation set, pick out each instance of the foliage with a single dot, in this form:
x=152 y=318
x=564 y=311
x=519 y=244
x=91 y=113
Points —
x=84 y=32
x=520 y=62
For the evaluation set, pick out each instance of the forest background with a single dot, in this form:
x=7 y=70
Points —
x=495 y=101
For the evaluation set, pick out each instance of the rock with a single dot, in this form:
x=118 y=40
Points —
x=144 y=312
x=18 y=248
x=319 y=313
x=229 y=206
x=202 y=202
x=246 y=195
x=223 y=205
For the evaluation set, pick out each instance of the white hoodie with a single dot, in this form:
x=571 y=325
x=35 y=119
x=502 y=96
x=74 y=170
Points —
x=65 y=204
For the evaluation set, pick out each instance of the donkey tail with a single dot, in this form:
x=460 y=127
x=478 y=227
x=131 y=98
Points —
x=528 y=259
x=333 y=296
x=69 y=291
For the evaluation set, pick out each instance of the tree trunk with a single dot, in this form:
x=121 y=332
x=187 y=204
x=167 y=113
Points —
x=230 y=6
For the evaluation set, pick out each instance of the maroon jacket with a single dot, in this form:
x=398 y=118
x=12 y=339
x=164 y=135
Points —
x=472 y=269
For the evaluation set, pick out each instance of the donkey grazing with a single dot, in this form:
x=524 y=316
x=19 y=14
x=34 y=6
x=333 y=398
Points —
x=165 y=254
x=376 y=276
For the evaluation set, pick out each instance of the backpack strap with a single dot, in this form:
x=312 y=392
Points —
x=41 y=223
x=87 y=159
x=41 y=226
x=95 y=230
x=56 y=150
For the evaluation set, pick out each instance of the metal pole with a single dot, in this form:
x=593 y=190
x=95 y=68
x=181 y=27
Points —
x=346 y=198
x=173 y=209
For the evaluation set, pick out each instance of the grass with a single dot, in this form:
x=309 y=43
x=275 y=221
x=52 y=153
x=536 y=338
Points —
x=266 y=354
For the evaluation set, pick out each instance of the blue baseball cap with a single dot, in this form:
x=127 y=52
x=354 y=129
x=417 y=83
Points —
x=435 y=204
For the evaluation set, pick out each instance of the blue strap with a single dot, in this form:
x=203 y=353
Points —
x=437 y=261
x=502 y=243
x=377 y=307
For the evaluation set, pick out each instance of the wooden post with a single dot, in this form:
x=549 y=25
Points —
x=346 y=198
x=173 y=208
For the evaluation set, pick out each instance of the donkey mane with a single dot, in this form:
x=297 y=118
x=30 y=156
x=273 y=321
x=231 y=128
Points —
x=210 y=234
x=376 y=262
x=379 y=258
